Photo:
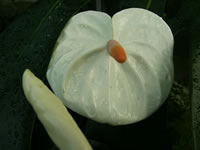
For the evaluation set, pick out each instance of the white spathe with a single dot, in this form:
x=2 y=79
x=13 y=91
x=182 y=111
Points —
x=92 y=83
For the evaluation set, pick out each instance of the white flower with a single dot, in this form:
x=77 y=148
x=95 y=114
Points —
x=92 y=83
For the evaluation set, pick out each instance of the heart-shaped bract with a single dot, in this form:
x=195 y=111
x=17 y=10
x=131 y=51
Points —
x=113 y=85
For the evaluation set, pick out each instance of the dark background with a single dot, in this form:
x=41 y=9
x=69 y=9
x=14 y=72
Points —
x=28 y=31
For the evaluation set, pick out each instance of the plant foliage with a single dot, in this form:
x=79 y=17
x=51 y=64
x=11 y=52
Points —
x=28 y=41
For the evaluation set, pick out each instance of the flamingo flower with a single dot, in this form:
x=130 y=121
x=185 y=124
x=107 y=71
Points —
x=115 y=70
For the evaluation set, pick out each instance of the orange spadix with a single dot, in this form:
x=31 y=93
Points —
x=116 y=51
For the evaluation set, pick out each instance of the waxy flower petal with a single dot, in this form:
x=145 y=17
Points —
x=91 y=81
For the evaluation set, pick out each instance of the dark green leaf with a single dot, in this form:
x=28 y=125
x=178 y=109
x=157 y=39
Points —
x=9 y=8
x=186 y=12
x=147 y=134
x=156 y=6
x=27 y=43
x=111 y=7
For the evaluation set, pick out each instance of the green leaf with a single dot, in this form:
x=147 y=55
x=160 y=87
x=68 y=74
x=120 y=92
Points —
x=186 y=12
x=156 y=6
x=27 y=43
x=113 y=6
x=147 y=134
